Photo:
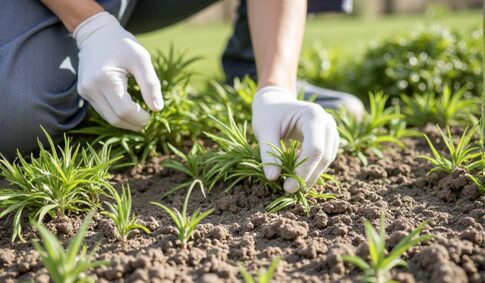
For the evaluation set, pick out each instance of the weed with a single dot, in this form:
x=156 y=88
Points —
x=177 y=122
x=193 y=165
x=239 y=160
x=380 y=265
x=369 y=133
x=186 y=225
x=67 y=265
x=463 y=154
x=445 y=110
x=53 y=183
x=120 y=213
x=264 y=276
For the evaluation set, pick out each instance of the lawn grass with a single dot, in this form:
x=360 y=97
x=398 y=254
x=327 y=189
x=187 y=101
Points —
x=347 y=33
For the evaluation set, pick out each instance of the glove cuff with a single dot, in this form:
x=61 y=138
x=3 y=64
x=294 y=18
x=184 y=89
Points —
x=93 y=24
x=274 y=92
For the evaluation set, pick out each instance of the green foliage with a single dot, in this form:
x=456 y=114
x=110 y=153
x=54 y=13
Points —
x=264 y=276
x=54 y=183
x=193 y=165
x=359 y=136
x=449 y=109
x=120 y=213
x=381 y=262
x=186 y=225
x=67 y=265
x=463 y=154
x=423 y=61
x=238 y=160
x=177 y=122
x=287 y=157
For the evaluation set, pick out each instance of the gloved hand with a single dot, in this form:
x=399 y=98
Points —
x=107 y=55
x=278 y=115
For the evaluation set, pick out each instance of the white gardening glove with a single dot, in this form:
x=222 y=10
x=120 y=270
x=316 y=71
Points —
x=278 y=115
x=107 y=55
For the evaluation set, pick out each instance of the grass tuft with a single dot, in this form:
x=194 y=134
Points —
x=381 y=262
x=54 y=183
x=264 y=276
x=67 y=265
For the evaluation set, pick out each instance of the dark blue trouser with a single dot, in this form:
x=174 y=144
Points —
x=38 y=62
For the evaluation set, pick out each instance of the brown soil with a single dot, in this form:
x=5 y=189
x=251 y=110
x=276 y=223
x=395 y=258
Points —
x=311 y=246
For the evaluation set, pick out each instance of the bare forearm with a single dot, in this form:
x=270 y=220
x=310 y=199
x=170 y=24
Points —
x=73 y=12
x=277 y=28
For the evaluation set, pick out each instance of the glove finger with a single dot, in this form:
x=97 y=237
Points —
x=331 y=151
x=147 y=79
x=312 y=154
x=271 y=172
x=122 y=104
x=104 y=109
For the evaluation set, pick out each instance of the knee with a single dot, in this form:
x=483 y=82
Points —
x=24 y=131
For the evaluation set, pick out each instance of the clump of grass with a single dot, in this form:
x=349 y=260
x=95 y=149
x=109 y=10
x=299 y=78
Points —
x=381 y=262
x=54 y=183
x=120 y=213
x=264 y=276
x=186 y=225
x=238 y=160
x=67 y=265
x=464 y=154
x=288 y=161
x=192 y=164
x=448 y=109
x=369 y=133
x=177 y=122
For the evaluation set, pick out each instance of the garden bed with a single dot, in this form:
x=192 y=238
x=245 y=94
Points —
x=241 y=233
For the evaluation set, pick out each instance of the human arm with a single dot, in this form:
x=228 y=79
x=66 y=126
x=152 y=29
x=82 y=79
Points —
x=108 y=54
x=277 y=28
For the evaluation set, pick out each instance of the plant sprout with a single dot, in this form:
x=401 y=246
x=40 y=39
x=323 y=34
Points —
x=381 y=262
x=238 y=160
x=369 y=133
x=464 y=153
x=192 y=165
x=67 y=265
x=120 y=213
x=186 y=225
x=54 y=184
x=174 y=124
x=264 y=276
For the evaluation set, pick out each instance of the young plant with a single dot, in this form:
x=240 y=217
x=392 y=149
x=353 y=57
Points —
x=370 y=132
x=178 y=121
x=67 y=265
x=288 y=156
x=54 y=183
x=447 y=109
x=382 y=262
x=462 y=154
x=239 y=160
x=120 y=213
x=264 y=276
x=192 y=165
x=186 y=225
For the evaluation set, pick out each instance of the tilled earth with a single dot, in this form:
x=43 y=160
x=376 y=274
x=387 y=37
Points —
x=241 y=233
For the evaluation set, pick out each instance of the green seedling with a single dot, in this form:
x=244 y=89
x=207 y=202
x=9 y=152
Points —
x=54 y=183
x=446 y=110
x=288 y=161
x=67 y=265
x=186 y=225
x=381 y=262
x=239 y=160
x=120 y=213
x=176 y=123
x=193 y=165
x=264 y=276
x=359 y=136
x=462 y=154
